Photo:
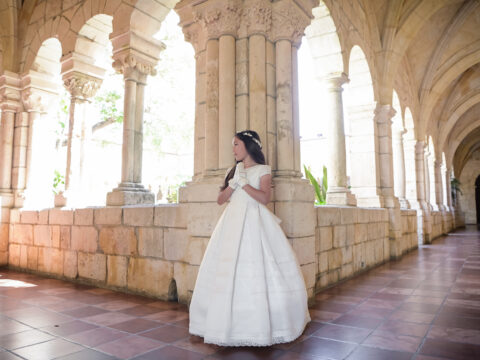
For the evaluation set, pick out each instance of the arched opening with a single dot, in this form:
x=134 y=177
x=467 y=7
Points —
x=409 y=149
x=398 y=131
x=360 y=105
x=320 y=55
x=40 y=96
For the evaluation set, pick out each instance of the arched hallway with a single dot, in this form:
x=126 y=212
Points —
x=424 y=306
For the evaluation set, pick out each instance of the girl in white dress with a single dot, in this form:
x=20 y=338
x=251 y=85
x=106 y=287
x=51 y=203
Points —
x=250 y=290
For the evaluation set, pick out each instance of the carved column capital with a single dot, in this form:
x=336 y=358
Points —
x=34 y=100
x=289 y=21
x=134 y=67
x=384 y=114
x=82 y=86
x=10 y=97
x=219 y=18
x=335 y=82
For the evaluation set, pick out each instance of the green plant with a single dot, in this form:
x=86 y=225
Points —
x=58 y=181
x=172 y=195
x=455 y=188
x=320 y=186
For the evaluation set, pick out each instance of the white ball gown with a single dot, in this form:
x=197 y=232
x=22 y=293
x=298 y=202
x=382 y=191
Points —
x=250 y=290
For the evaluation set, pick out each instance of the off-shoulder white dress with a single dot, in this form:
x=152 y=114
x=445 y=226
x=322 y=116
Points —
x=250 y=290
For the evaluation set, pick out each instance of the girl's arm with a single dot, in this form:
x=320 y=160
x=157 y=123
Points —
x=262 y=195
x=224 y=195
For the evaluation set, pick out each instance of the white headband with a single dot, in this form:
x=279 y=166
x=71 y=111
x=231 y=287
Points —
x=253 y=138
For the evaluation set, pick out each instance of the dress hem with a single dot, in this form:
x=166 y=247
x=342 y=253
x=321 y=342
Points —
x=251 y=342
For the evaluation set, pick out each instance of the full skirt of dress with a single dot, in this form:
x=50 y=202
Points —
x=250 y=290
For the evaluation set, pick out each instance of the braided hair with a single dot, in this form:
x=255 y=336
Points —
x=254 y=148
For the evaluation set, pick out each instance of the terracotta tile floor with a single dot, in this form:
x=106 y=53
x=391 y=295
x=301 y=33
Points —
x=423 y=307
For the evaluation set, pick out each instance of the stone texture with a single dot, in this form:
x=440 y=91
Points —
x=138 y=215
x=84 y=238
x=108 y=216
x=149 y=276
x=171 y=215
x=92 y=266
x=118 y=240
x=117 y=267
x=150 y=242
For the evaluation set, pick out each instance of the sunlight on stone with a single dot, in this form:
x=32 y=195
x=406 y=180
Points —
x=15 y=283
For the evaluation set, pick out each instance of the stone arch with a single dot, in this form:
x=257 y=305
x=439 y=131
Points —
x=42 y=85
x=461 y=107
x=324 y=43
x=143 y=18
x=360 y=106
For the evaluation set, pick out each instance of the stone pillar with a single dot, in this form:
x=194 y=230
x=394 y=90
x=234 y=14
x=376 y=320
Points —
x=10 y=105
x=338 y=193
x=438 y=185
x=399 y=170
x=135 y=69
x=81 y=88
x=6 y=154
x=423 y=210
x=258 y=42
x=19 y=170
x=448 y=183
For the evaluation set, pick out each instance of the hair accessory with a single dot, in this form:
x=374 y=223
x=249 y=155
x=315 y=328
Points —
x=253 y=138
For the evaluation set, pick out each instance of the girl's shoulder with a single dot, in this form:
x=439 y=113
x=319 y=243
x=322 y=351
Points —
x=264 y=169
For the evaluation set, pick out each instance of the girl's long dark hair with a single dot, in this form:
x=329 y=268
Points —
x=253 y=149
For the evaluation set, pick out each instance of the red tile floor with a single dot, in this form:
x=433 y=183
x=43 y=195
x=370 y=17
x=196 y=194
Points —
x=425 y=306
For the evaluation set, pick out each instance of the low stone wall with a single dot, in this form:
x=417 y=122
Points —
x=437 y=224
x=409 y=230
x=135 y=249
x=348 y=241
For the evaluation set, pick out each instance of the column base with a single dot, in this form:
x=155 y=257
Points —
x=341 y=197
x=6 y=198
x=130 y=194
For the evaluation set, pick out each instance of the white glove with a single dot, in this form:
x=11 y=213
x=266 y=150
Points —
x=241 y=175
x=233 y=183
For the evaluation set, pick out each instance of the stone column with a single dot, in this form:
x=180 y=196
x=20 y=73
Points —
x=423 y=210
x=6 y=154
x=257 y=41
x=438 y=185
x=130 y=191
x=399 y=171
x=81 y=88
x=449 y=187
x=338 y=193
x=19 y=169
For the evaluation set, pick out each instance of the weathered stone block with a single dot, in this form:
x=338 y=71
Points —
x=83 y=217
x=370 y=253
x=108 y=216
x=171 y=215
x=150 y=276
x=347 y=254
x=84 y=238
x=42 y=235
x=3 y=258
x=150 y=242
x=196 y=249
x=346 y=271
x=308 y=271
x=304 y=248
x=29 y=217
x=202 y=218
x=32 y=258
x=14 y=255
x=138 y=215
x=43 y=216
x=350 y=235
x=65 y=237
x=93 y=266
x=118 y=240
x=5 y=215
x=175 y=242
x=334 y=259
x=60 y=217
x=117 y=267
x=363 y=216
x=70 y=264
x=298 y=219
x=339 y=236
x=4 y=233
x=361 y=233
x=181 y=273
x=333 y=277
x=359 y=256
x=348 y=215
x=50 y=260
x=22 y=234
x=23 y=256
x=326 y=238
x=328 y=215
x=14 y=216
x=323 y=262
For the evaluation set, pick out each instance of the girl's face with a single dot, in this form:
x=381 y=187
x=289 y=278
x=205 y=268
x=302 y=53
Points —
x=239 y=150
